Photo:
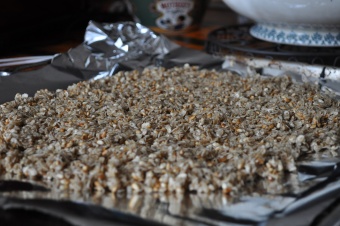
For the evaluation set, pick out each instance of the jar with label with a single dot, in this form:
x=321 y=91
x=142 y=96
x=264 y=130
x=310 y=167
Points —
x=170 y=16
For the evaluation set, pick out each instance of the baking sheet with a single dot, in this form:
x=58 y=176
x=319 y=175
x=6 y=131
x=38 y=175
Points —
x=109 y=48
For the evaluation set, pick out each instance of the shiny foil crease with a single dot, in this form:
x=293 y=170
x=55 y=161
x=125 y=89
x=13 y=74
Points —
x=109 y=48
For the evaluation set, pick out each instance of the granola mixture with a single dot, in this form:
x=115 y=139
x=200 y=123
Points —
x=176 y=130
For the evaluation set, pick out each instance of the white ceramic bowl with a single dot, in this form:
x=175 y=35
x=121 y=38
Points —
x=295 y=22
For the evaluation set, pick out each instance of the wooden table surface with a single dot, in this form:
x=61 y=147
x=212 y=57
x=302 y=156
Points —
x=217 y=15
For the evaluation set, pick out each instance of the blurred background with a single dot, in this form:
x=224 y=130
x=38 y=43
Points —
x=25 y=25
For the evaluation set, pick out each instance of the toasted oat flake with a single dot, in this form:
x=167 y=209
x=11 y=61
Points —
x=176 y=130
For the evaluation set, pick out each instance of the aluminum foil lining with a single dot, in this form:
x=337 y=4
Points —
x=109 y=48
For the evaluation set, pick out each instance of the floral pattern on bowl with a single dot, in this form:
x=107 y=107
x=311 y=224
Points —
x=297 y=35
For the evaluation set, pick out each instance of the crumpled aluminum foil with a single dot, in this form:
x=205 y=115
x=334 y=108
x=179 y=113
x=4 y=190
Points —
x=109 y=48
